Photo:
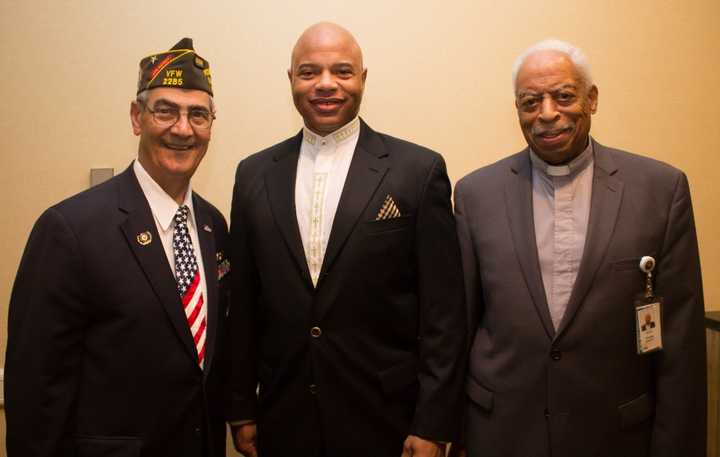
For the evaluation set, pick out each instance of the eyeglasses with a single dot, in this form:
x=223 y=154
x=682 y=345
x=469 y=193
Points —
x=167 y=116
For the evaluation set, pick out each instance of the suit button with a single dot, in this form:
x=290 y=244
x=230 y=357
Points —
x=315 y=332
x=197 y=430
x=555 y=355
x=313 y=389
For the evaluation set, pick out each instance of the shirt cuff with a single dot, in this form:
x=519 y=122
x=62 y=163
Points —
x=241 y=422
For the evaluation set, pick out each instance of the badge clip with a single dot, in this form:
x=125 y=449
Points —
x=647 y=265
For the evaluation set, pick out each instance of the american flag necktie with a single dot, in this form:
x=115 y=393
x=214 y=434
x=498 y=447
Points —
x=188 y=281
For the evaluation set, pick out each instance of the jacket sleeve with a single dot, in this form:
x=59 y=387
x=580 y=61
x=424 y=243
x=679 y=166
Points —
x=442 y=338
x=471 y=274
x=242 y=326
x=681 y=383
x=45 y=331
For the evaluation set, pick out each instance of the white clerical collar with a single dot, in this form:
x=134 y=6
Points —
x=575 y=165
x=162 y=205
x=341 y=135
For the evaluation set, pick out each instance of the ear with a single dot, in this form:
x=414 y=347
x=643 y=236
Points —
x=135 y=114
x=593 y=97
x=289 y=73
x=364 y=75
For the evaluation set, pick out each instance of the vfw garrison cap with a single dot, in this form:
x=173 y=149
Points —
x=179 y=67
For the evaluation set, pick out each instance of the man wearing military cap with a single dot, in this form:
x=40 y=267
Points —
x=116 y=315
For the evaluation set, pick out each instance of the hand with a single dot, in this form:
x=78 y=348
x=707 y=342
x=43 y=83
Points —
x=414 y=446
x=245 y=438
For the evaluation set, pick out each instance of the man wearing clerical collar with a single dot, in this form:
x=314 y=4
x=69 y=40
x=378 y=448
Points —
x=555 y=243
x=347 y=300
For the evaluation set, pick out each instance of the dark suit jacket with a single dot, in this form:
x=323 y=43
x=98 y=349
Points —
x=100 y=359
x=389 y=304
x=583 y=390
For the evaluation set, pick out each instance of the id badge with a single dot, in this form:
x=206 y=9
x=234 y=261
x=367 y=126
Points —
x=648 y=324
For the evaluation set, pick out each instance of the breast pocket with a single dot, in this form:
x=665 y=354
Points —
x=385 y=251
x=629 y=263
x=388 y=225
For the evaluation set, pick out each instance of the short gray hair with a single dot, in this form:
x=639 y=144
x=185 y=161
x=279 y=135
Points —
x=575 y=54
x=142 y=97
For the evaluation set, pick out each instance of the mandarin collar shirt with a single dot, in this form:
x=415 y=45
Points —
x=322 y=168
x=163 y=208
x=561 y=209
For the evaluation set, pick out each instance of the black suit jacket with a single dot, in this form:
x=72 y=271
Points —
x=388 y=304
x=583 y=390
x=100 y=359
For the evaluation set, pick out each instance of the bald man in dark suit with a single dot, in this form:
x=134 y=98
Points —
x=347 y=297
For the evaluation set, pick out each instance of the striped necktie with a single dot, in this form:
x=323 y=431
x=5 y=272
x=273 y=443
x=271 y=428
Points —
x=188 y=281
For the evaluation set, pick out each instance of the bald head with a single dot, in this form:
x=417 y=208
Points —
x=327 y=77
x=324 y=35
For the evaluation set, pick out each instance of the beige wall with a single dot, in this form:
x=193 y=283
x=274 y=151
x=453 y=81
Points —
x=439 y=74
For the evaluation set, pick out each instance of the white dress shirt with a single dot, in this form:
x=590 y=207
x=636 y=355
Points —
x=163 y=208
x=561 y=208
x=322 y=168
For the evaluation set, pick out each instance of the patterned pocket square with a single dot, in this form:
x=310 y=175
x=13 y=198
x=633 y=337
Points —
x=389 y=210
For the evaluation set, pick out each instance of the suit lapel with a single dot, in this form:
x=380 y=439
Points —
x=367 y=170
x=280 y=185
x=605 y=201
x=151 y=257
x=518 y=200
x=205 y=228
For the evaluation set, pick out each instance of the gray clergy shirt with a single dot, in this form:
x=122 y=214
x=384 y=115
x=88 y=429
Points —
x=561 y=208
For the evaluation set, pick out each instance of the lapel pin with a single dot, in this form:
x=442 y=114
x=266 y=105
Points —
x=144 y=238
x=223 y=268
x=207 y=228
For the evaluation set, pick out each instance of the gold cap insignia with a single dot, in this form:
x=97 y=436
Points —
x=144 y=238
